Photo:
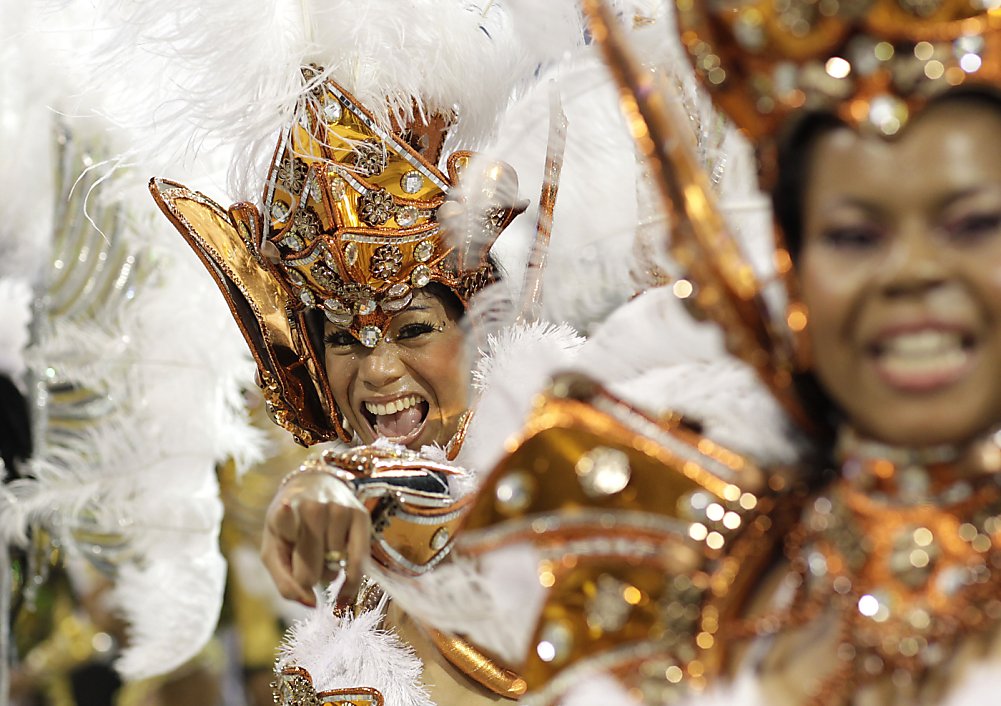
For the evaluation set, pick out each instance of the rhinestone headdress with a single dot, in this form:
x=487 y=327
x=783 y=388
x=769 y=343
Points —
x=874 y=63
x=351 y=227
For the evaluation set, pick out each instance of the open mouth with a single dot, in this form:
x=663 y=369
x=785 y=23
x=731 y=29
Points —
x=924 y=359
x=400 y=420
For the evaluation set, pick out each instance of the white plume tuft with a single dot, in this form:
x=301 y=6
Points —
x=494 y=601
x=348 y=652
x=144 y=371
x=197 y=73
x=656 y=356
x=517 y=363
x=15 y=315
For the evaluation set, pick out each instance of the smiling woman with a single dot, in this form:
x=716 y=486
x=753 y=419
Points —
x=898 y=245
x=413 y=386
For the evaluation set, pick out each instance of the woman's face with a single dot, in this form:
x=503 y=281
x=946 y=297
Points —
x=901 y=271
x=413 y=387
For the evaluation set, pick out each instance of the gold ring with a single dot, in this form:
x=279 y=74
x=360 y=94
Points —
x=335 y=560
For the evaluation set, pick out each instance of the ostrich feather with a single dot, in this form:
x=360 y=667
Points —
x=184 y=69
x=516 y=363
x=348 y=652
x=15 y=315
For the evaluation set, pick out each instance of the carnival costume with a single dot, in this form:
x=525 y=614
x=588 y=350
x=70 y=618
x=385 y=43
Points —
x=890 y=565
x=360 y=192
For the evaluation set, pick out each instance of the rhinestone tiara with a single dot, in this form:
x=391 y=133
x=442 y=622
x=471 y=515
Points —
x=874 y=63
x=351 y=227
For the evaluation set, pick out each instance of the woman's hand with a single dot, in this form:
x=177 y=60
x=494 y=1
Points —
x=315 y=528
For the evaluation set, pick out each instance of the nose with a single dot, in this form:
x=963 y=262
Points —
x=916 y=262
x=380 y=367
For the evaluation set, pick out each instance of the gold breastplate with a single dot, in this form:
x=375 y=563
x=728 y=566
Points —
x=905 y=564
x=640 y=526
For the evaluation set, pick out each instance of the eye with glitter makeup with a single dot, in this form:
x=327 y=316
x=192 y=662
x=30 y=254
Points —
x=417 y=330
x=340 y=339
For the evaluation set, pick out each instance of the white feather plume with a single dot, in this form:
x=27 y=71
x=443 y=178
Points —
x=516 y=364
x=214 y=72
x=15 y=315
x=161 y=365
x=656 y=356
x=350 y=652
x=494 y=600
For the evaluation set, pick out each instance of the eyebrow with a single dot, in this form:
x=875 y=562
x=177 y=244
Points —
x=960 y=194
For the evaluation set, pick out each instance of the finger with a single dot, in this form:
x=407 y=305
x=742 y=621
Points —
x=277 y=558
x=307 y=553
x=338 y=524
x=359 y=542
x=283 y=519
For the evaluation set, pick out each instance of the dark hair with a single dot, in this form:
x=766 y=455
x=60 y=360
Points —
x=794 y=159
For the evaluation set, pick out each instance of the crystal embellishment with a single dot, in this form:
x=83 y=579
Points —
x=370 y=159
x=412 y=182
x=339 y=318
x=350 y=253
x=296 y=278
x=407 y=216
x=397 y=290
x=324 y=276
x=337 y=186
x=391 y=306
x=440 y=539
x=376 y=207
x=279 y=210
x=603 y=471
x=424 y=251
x=366 y=307
x=386 y=261
x=370 y=336
x=332 y=110
x=421 y=276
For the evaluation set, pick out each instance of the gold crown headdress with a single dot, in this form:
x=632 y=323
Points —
x=350 y=228
x=873 y=63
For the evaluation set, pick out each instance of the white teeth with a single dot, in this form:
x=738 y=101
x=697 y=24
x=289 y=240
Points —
x=923 y=344
x=392 y=407
x=925 y=364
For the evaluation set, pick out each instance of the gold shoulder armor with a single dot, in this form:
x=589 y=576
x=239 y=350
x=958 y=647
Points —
x=640 y=526
x=407 y=495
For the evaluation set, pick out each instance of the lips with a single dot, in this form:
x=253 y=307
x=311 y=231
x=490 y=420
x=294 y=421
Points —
x=923 y=358
x=399 y=419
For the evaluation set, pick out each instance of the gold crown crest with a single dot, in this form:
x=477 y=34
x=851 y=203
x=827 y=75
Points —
x=874 y=63
x=353 y=212
x=353 y=228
